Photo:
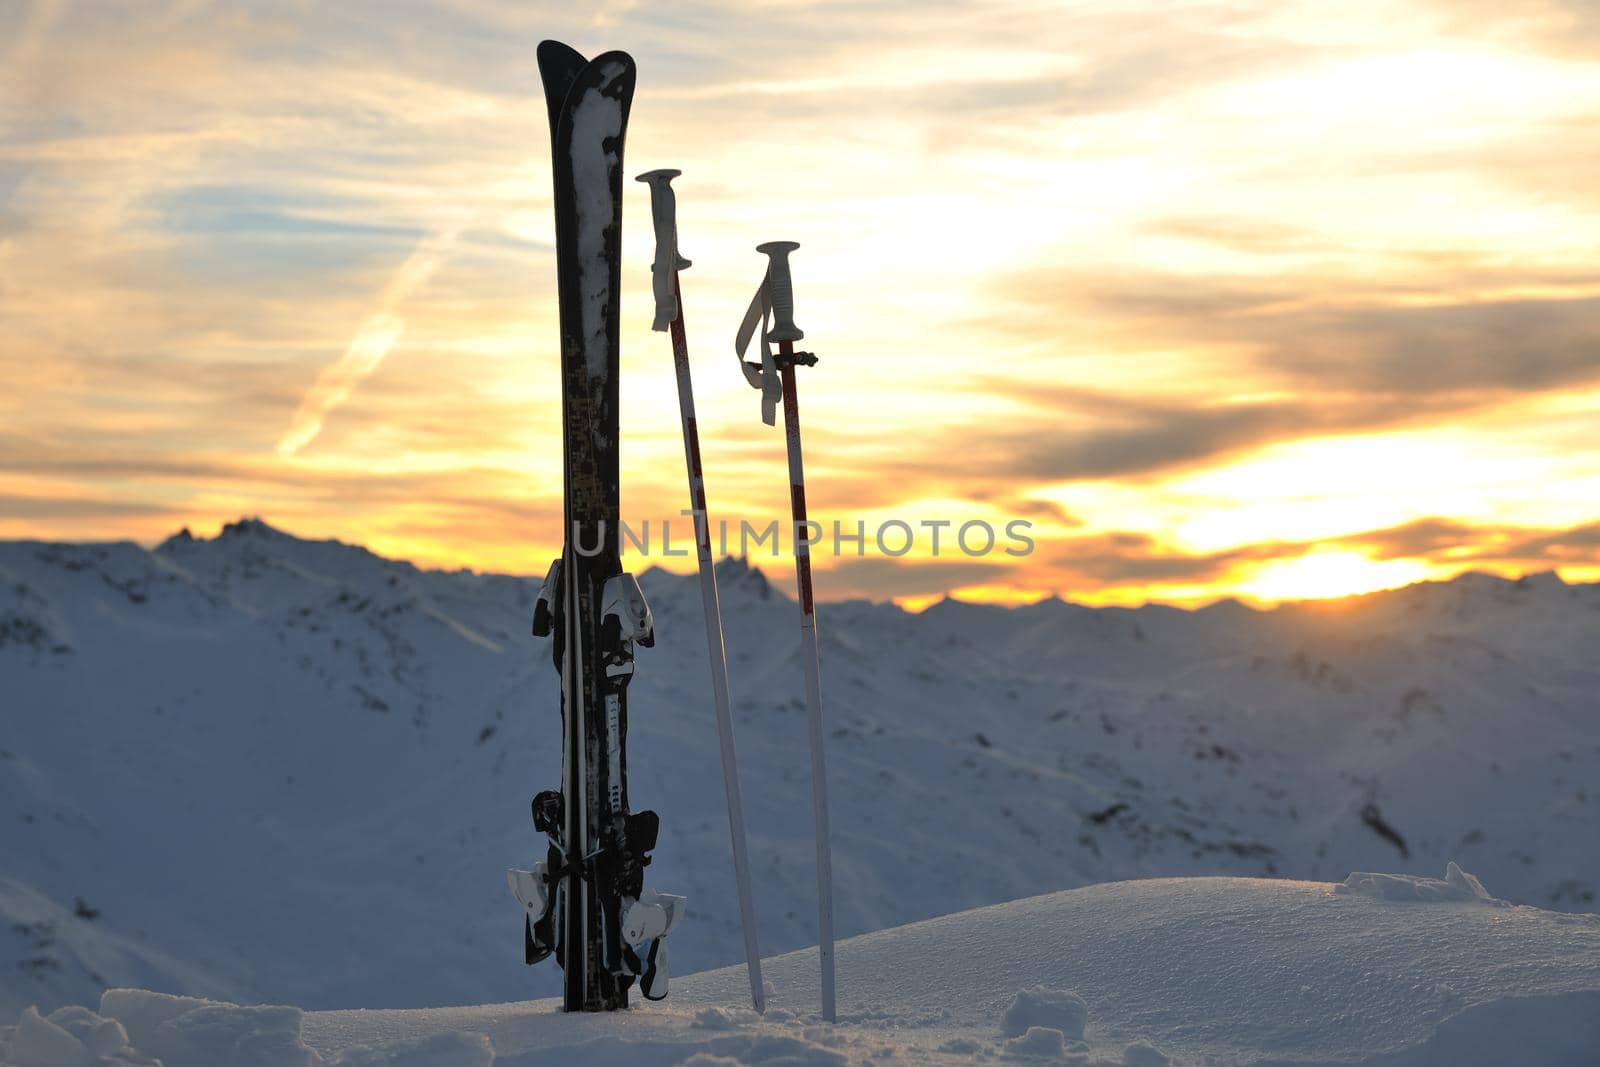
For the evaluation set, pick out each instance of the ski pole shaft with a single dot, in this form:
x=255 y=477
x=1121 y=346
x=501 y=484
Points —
x=715 y=649
x=669 y=316
x=810 y=657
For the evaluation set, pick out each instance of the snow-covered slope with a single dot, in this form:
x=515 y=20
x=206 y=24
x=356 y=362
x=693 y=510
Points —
x=1383 y=972
x=264 y=769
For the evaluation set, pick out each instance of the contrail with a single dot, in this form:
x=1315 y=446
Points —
x=371 y=343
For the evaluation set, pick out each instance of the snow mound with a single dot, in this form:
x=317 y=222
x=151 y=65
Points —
x=138 y=1028
x=722 y=1018
x=69 y=1037
x=1458 y=885
x=1159 y=973
x=1037 y=1041
x=192 y=1032
x=1057 y=1009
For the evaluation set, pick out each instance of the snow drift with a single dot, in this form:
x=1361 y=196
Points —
x=1143 y=974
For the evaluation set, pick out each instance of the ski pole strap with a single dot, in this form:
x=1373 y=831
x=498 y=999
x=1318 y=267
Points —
x=664 y=213
x=765 y=375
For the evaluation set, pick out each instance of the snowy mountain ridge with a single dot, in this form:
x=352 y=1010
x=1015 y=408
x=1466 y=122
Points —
x=259 y=768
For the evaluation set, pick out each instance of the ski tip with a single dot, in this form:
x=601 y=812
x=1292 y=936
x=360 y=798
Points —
x=615 y=55
x=628 y=73
x=559 y=66
x=552 y=52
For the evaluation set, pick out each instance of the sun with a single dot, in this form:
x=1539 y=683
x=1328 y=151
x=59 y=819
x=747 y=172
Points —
x=1320 y=575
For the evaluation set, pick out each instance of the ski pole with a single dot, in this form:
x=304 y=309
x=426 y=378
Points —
x=780 y=293
x=669 y=316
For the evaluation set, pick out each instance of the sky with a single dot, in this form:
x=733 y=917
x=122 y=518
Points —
x=1267 y=300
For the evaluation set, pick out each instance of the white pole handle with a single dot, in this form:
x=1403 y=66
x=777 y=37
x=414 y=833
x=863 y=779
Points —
x=782 y=288
x=664 y=212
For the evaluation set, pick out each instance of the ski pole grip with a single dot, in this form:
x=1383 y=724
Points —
x=664 y=213
x=782 y=289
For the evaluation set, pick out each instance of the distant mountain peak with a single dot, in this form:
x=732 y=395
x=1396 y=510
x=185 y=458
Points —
x=246 y=528
x=954 y=606
x=182 y=538
x=739 y=570
x=251 y=526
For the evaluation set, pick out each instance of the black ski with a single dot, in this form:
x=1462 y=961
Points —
x=586 y=902
x=589 y=104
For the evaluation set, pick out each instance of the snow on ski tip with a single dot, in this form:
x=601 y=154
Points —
x=597 y=127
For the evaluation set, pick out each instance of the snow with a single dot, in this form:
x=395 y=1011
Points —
x=596 y=122
x=1457 y=885
x=43 y=1042
x=1164 y=971
x=1035 y=1042
x=258 y=769
x=1056 y=1009
x=439 y=1050
x=190 y=1032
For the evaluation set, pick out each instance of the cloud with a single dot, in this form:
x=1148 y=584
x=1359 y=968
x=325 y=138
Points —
x=1059 y=434
x=1487 y=348
x=1419 y=539
x=1045 y=508
x=878 y=577
x=1466 y=545
x=1164 y=438
x=1043 y=244
x=1567 y=28
x=376 y=336
x=1236 y=234
x=81 y=507
x=1576 y=544
x=1309 y=358
x=1088 y=566
x=1100 y=560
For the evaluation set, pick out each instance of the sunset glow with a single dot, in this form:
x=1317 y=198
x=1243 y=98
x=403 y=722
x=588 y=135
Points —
x=1330 y=574
x=1274 y=300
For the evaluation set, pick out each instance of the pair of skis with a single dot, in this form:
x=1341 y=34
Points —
x=586 y=903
